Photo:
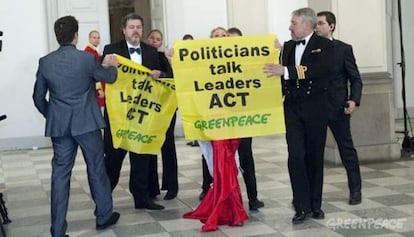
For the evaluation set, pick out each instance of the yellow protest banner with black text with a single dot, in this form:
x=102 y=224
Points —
x=222 y=90
x=140 y=108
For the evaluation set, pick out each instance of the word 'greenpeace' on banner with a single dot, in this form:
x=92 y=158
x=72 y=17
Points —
x=233 y=121
x=134 y=136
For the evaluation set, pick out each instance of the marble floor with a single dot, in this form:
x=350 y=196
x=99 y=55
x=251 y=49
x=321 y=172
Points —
x=387 y=208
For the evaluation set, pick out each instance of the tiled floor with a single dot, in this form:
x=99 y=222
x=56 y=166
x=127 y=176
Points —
x=387 y=208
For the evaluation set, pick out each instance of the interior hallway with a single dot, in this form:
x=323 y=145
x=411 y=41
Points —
x=388 y=199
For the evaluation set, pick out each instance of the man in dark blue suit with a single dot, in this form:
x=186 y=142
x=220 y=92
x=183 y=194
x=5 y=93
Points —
x=342 y=103
x=133 y=48
x=305 y=66
x=73 y=119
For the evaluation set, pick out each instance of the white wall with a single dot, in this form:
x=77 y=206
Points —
x=256 y=23
x=24 y=42
x=279 y=15
x=195 y=17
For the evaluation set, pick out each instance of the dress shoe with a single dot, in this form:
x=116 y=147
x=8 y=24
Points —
x=299 y=217
x=202 y=195
x=112 y=221
x=170 y=195
x=193 y=143
x=318 y=214
x=254 y=205
x=150 y=205
x=355 y=198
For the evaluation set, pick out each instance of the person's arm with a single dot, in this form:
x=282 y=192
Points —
x=39 y=93
x=354 y=78
x=166 y=70
x=108 y=71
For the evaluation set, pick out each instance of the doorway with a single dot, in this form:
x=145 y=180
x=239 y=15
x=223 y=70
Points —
x=119 y=8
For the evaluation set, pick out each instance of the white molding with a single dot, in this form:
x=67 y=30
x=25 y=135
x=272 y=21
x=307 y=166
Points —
x=52 y=15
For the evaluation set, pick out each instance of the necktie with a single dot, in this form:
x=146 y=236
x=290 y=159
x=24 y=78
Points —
x=133 y=50
x=300 y=42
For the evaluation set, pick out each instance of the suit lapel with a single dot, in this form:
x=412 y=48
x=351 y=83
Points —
x=146 y=58
x=124 y=49
x=312 y=45
x=288 y=53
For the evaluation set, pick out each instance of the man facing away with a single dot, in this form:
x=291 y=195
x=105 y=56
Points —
x=73 y=119
x=341 y=105
x=133 y=48
x=305 y=66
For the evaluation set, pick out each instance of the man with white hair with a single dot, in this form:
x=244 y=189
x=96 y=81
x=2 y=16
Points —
x=305 y=66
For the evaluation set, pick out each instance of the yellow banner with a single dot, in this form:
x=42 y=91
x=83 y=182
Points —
x=139 y=108
x=221 y=88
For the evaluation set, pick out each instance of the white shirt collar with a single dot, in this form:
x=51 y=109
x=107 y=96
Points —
x=132 y=46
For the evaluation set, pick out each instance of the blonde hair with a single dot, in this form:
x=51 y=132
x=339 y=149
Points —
x=216 y=29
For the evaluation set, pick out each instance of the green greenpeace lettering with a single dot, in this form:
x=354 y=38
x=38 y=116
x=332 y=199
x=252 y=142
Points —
x=233 y=121
x=134 y=136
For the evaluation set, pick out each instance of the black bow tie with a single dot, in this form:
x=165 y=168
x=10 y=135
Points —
x=133 y=50
x=300 y=42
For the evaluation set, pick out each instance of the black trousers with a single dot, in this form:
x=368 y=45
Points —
x=138 y=176
x=247 y=165
x=341 y=131
x=306 y=126
x=169 y=165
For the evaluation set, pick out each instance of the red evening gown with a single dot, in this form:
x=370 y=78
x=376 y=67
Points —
x=223 y=204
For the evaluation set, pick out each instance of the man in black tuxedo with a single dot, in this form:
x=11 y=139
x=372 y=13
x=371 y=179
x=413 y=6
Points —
x=342 y=103
x=132 y=47
x=305 y=66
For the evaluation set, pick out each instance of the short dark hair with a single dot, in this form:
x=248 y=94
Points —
x=188 y=37
x=234 y=30
x=131 y=16
x=65 y=29
x=330 y=18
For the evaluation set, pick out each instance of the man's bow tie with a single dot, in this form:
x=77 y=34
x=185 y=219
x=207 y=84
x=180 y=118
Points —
x=300 y=42
x=133 y=50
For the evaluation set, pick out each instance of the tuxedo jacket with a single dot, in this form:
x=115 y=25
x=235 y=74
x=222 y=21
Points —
x=311 y=76
x=150 y=58
x=165 y=66
x=70 y=75
x=345 y=71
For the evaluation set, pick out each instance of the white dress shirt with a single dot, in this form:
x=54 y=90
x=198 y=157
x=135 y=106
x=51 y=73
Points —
x=300 y=48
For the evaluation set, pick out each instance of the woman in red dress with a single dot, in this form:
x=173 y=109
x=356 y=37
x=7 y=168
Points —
x=223 y=204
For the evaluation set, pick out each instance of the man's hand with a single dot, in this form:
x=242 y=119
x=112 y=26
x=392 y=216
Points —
x=169 y=53
x=110 y=60
x=277 y=44
x=155 y=74
x=271 y=70
x=351 y=107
